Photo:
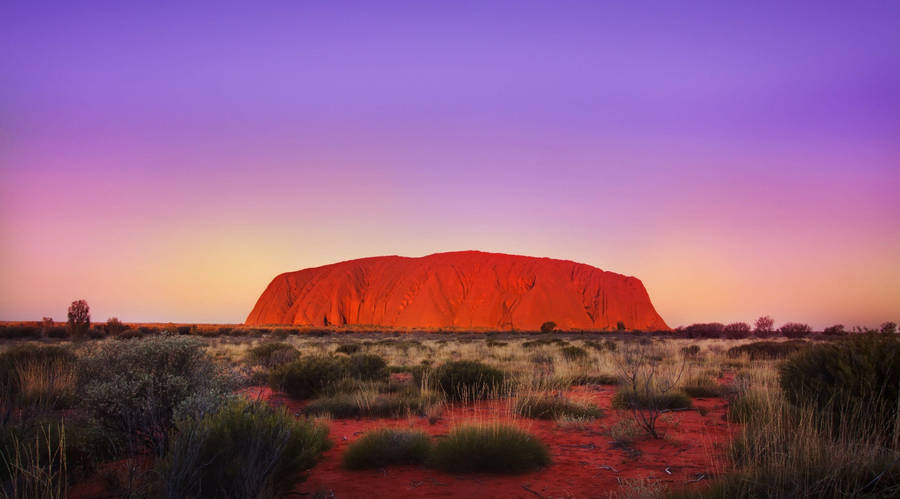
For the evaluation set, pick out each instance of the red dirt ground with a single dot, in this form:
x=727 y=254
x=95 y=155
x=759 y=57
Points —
x=586 y=462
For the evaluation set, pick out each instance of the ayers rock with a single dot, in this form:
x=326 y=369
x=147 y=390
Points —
x=466 y=289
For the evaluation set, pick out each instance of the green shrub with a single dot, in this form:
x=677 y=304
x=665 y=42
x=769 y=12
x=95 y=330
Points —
x=367 y=367
x=466 y=380
x=307 y=377
x=245 y=449
x=626 y=399
x=139 y=387
x=573 y=353
x=273 y=354
x=857 y=376
x=548 y=326
x=387 y=446
x=549 y=407
x=349 y=348
x=491 y=448
x=767 y=349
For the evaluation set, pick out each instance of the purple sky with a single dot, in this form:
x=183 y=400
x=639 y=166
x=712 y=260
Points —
x=166 y=161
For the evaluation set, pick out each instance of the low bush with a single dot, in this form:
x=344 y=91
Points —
x=709 y=330
x=549 y=407
x=795 y=330
x=349 y=348
x=273 y=354
x=857 y=376
x=573 y=353
x=20 y=332
x=736 y=330
x=139 y=387
x=767 y=349
x=367 y=367
x=627 y=399
x=493 y=448
x=245 y=449
x=387 y=446
x=835 y=330
x=466 y=380
x=307 y=377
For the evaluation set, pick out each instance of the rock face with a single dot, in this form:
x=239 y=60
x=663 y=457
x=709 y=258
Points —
x=467 y=289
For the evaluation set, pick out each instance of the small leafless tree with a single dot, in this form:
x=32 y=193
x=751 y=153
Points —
x=646 y=383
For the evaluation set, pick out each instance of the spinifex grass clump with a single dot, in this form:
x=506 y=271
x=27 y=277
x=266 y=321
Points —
x=467 y=380
x=40 y=377
x=552 y=407
x=307 y=377
x=387 y=446
x=366 y=403
x=701 y=387
x=367 y=367
x=626 y=399
x=246 y=449
x=573 y=353
x=858 y=376
x=349 y=348
x=767 y=349
x=273 y=354
x=489 y=448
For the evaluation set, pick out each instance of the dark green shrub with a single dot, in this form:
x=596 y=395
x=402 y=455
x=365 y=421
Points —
x=889 y=327
x=489 y=449
x=139 y=387
x=245 y=449
x=573 y=353
x=549 y=407
x=130 y=334
x=767 y=349
x=626 y=399
x=858 y=376
x=466 y=380
x=548 y=326
x=620 y=326
x=387 y=446
x=273 y=354
x=349 y=348
x=307 y=377
x=367 y=367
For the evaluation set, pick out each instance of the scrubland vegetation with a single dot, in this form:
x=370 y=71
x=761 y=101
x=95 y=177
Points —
x=168 y=414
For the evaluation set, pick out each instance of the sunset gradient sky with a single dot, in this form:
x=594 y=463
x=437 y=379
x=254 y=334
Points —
x=165 y=160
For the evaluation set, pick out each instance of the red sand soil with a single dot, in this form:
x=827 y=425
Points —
x=466 y=289
x=585 y=462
